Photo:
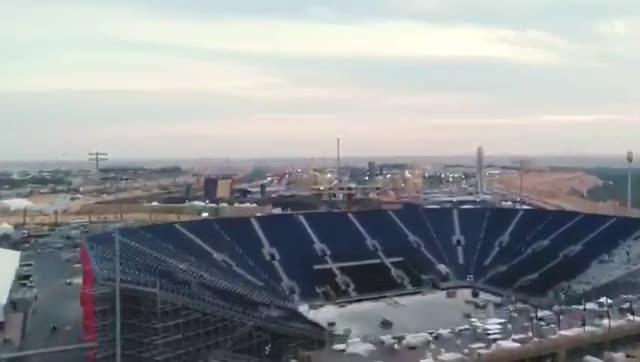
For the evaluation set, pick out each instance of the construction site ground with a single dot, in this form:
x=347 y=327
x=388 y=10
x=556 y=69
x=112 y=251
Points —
x=550 y=189
x=559 y=190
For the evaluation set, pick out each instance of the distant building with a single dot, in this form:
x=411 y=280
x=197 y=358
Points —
x=122 y=170
x=373 y=169
x=188 y=192
x=393 y=167
x=217 y=188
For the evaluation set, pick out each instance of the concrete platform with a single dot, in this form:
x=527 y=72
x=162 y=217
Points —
x=11 y=336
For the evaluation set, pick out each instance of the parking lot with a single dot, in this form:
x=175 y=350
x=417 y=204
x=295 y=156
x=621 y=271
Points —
x=47 y=292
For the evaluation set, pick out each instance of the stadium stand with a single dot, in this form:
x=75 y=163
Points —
x=472 y=222
x=413 y=219
x=577 y=258
x=295 y=248
x=248 y=276
x=496 y=225
x=247 y=239
x=397 y=246
x=518 y=241
x=440 y=221
x=341 y=236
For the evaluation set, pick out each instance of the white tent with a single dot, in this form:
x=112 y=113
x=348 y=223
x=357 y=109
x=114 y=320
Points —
x=14 y=204
x=6 y=229
x=605 y=301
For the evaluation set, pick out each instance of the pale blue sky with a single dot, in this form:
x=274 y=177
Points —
x=259 y=78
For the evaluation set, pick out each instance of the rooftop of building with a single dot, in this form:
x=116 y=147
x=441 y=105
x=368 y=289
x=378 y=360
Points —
x=9 y=262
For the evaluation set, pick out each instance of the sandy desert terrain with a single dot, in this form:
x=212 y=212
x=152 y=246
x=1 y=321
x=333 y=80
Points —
x=560 y=190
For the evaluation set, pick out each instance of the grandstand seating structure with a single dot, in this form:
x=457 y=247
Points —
x=259 y=269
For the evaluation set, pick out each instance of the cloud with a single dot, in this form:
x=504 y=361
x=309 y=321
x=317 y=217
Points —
x=137 y=71
x=394 y=39
x=309 y=135
x=616 y=27
x=590 y=118
x=619 y=37
x=255 y=78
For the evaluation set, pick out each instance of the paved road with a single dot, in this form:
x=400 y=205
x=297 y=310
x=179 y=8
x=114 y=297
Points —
x=57 y=303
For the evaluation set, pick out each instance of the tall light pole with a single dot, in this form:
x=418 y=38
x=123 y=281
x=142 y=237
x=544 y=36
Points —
x=118 y=333
x=338 y=160
x=523 y=169
x=630 y=162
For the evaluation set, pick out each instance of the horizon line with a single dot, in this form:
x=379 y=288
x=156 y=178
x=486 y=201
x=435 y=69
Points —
x=622 y=156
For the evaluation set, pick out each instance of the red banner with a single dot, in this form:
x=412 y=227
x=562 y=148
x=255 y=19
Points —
x=87 y=302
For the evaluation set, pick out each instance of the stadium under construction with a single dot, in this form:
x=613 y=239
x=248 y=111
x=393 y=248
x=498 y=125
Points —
x=282 y=286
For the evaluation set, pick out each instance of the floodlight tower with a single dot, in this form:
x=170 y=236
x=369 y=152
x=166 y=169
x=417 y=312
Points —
x=98 y=157
x=630 y=162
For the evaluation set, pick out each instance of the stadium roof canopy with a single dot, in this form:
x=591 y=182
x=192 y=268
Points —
x=9 y=261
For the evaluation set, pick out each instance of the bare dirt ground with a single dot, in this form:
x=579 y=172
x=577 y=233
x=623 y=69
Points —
x=560 y=190
x=124 y=212
x=68 y=218
x=63 y=201
x=85 y=209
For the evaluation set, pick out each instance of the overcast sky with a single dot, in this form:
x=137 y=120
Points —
x=247 y=78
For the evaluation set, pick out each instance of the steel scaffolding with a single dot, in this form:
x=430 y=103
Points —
x=163 y=325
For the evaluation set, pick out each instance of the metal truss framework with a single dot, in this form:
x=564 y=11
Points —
x=161 y=326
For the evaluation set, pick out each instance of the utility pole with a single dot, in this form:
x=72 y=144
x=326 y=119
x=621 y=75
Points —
x=630 y=162
x=98 y=157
